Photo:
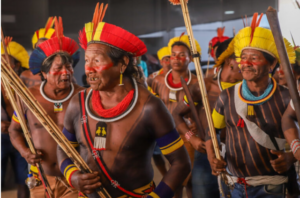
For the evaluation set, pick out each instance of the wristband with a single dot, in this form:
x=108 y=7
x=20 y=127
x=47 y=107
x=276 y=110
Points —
x=71 y=137
x=188 y=135
x=68 y=169
x=295 y=145
x=161 y=191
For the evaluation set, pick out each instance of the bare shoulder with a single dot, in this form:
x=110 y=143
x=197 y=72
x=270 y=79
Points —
x=35 y=90
x=26 y=73
x=159 y=79
x=77 y=88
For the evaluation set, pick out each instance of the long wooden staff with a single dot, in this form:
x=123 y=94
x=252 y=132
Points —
x=192 y=106
x=207 y=69
x=200 y=78
x=22 y=121
x=284 y=60
x=15 y=82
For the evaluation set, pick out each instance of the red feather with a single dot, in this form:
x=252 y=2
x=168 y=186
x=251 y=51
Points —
x=220 y=32
x=181 y=35
x=82 y=39
x=49 y=24
x=103 y=13
x=255 y=23
x=59 y=30
x=7 y=40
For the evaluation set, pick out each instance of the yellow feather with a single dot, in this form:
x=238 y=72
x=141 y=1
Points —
x=89 y=31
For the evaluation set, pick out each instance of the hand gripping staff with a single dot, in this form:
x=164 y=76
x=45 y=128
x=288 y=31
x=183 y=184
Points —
x=200 y=78
x=12 y=80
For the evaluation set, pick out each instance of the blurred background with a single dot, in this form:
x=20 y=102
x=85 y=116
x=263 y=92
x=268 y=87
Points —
x=154 y=21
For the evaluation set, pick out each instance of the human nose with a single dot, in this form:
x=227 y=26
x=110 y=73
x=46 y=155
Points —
x=89 y=69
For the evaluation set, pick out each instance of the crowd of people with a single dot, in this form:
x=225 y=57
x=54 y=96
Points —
x=124 y=117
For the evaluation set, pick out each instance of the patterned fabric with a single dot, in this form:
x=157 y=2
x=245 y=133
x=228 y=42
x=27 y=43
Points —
x=245 y=157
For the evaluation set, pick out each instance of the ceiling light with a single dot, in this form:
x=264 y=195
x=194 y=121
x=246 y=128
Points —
x=229 y=12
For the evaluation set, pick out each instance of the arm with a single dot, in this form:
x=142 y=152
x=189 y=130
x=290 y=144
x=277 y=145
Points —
x=84 y=182
x=18 y=141
x=171 y=146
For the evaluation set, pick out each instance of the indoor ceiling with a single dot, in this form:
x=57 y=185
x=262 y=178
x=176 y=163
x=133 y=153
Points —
x=21 y=18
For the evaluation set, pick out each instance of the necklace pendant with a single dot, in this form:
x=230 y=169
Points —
x=100 y=138
x=58 y=107
x=172 y=96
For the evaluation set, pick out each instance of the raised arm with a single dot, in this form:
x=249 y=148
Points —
x=290 y=130
x=171 y=145
x=85 y=183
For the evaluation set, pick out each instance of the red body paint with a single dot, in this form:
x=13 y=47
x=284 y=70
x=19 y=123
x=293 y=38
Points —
x=61 y=72
x=183 y=59
x=98 y=68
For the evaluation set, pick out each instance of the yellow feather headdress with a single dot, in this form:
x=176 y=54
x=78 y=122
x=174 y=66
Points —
x=17 y=51
x=184 y=39
x=47 y=32
x=261 y=39
x=163 y=52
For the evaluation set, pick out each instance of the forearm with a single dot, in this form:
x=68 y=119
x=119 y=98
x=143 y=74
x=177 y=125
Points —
x=178 y=115
x=18 y=141
x=210 y=150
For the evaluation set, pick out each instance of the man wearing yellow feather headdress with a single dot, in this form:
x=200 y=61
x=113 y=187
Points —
x=204 y=183
x=251 y=112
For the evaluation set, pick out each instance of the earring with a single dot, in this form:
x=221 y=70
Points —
x=121 y=78
x=270 y=73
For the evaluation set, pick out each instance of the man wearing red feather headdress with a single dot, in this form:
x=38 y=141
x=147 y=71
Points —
x=256 y=164
x=38 y=37
x=117 y=121
x=54 y=59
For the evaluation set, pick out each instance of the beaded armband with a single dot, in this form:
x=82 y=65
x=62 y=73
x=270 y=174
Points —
x=68 y=169
x=71 y=137
x=188 y=135
x=169 y=142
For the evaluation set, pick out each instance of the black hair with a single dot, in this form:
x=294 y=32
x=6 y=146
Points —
x=217 y=44
x=46 y=66
x=132 y=70
x=222 y=47
x=179 y=43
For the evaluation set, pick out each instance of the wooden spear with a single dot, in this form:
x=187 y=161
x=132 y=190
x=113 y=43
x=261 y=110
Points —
x=199 y=72
x=22 y=121
x=284 y=60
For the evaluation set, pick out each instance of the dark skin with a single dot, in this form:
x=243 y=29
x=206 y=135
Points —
x=57 y=87
x=130 y=141
x=230 y=73
x=165 y=63
x=255 y=70
x=23 y=191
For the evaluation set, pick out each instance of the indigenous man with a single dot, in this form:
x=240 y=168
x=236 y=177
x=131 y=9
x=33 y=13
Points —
x=117 y=121
x=38 y=37
x=250 y=111
x=169 y=89
x=19 y=62
x=213 y=46
x=54 y=59
x=164 y=58
x=204 y=183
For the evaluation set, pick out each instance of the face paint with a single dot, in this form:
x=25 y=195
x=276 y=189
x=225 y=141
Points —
x=166 y=62
x=61 y=72
x=183 y=59
x=98 y=68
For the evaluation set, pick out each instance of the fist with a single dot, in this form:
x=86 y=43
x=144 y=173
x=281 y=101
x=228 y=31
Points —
x=4 y=126
x=198 y=144
x=32 y=158
x=283 y=162
x=86 y=183
x=217 y=166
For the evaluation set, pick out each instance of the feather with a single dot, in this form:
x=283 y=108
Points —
x=49 y=24
x=103 y=13
x=176 y=2
x=260 y=17
x=82 y=39
x=243 y=21
x=220 y=32
x=181 y=35
x=7 y=40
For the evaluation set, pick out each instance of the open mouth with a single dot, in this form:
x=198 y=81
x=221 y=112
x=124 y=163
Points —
x=93 y=79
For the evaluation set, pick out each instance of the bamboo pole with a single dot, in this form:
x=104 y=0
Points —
x=200 y=78
x=286 y=65
x=19 y=112
x=46 y=121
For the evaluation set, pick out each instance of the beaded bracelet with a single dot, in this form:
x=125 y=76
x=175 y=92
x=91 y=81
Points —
x=188 y=135
x=295 y=145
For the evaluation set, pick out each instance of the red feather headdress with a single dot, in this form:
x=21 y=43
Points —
x=220 y=38
x=111 y=35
